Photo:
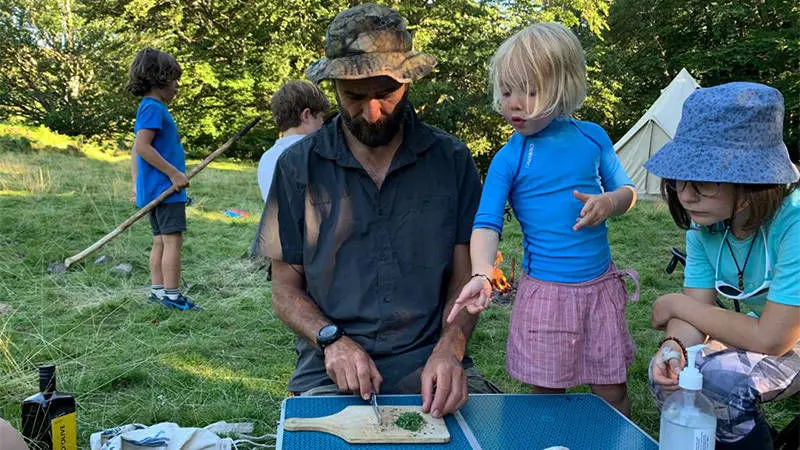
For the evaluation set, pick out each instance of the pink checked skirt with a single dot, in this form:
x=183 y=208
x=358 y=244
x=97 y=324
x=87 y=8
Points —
x=564 y=335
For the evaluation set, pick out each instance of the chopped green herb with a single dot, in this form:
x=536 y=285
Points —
x=411 y=421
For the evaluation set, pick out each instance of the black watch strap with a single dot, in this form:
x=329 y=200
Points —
x=327 y=335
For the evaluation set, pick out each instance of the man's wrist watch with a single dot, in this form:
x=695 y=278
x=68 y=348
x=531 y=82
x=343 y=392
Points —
x=327 y=335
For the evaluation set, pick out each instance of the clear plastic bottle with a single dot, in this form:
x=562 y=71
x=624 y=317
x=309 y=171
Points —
x=688 y=421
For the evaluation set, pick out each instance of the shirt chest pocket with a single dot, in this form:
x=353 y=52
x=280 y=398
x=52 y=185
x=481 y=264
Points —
x=425 y=231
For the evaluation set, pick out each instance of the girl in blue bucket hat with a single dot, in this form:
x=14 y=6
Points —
x=729 y=182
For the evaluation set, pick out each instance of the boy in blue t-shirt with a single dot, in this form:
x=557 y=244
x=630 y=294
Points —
x=158 y=162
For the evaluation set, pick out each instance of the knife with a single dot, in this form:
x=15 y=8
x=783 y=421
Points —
x=374 y=400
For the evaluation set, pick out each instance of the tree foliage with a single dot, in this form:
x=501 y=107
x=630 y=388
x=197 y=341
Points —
x=59 y=67
x=648 y=43
x=65 y=62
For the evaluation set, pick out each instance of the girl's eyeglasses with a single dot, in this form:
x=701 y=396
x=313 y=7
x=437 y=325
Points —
x=702 y=188
x=733 y=292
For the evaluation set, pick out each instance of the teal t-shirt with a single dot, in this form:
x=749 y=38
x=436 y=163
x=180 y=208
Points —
x=783 y=243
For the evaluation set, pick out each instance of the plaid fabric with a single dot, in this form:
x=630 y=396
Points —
x=737 y=382
x=564 y=335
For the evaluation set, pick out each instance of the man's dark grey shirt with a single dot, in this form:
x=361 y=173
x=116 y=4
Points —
x=377 y=261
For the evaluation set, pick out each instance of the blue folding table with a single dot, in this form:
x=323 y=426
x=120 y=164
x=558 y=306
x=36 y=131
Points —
x=488 y=421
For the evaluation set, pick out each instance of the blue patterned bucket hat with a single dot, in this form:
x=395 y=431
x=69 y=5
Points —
x=731 y=133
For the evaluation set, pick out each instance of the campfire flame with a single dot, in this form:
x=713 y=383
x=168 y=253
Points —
x=501 y=283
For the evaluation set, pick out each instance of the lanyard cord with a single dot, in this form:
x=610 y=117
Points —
x=747 y=258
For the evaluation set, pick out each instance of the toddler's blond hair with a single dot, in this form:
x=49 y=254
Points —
x=545 y=58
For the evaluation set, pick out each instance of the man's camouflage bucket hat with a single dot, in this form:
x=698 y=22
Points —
x=366 y=41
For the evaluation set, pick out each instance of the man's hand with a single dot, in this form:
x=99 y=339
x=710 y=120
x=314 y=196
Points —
x=596 y=209
x=475 y=296
x=444 y=384
x=179 y=180
x=351 y=368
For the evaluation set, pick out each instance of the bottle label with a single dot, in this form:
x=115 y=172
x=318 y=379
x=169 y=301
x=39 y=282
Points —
x=703 y=440
x=65 y=435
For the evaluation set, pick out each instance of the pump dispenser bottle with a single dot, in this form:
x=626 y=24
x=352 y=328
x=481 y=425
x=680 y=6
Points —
x=688 y=421
x=48 y=418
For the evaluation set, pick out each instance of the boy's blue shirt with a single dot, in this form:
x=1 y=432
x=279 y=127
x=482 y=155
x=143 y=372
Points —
x=537 y=174
x=151 y=182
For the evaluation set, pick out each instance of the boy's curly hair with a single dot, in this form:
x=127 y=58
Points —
x=152 y=69
x=292 y=99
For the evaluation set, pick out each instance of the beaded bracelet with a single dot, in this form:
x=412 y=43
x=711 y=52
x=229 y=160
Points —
x=492 y=281
x=486 y=277
x=677 y=341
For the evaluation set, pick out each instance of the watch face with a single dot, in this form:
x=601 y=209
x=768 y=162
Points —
x=328 y=332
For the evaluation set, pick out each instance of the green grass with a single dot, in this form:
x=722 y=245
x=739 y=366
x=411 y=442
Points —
x=127 y=361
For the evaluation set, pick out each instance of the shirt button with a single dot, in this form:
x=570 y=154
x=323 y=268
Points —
x=386 y=299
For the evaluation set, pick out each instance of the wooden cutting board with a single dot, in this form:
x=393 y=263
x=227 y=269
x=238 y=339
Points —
x=358 y=425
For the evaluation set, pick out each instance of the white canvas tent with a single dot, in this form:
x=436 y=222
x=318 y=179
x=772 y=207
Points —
x=656 y=127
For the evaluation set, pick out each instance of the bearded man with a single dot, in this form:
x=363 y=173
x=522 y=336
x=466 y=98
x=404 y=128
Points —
x=368 y=223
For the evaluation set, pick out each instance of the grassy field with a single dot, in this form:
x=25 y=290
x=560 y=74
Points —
x=127 y=361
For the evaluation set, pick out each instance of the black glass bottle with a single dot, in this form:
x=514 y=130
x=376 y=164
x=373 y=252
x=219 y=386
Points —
x=48 y=418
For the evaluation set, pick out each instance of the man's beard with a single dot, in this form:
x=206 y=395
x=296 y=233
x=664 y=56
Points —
x=378 y=133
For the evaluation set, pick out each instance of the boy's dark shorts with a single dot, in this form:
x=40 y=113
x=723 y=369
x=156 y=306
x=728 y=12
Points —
x=168 y=218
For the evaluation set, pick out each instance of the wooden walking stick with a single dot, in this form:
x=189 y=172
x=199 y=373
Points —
x=60 y=268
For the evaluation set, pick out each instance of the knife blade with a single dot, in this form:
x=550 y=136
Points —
x=374 y=400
